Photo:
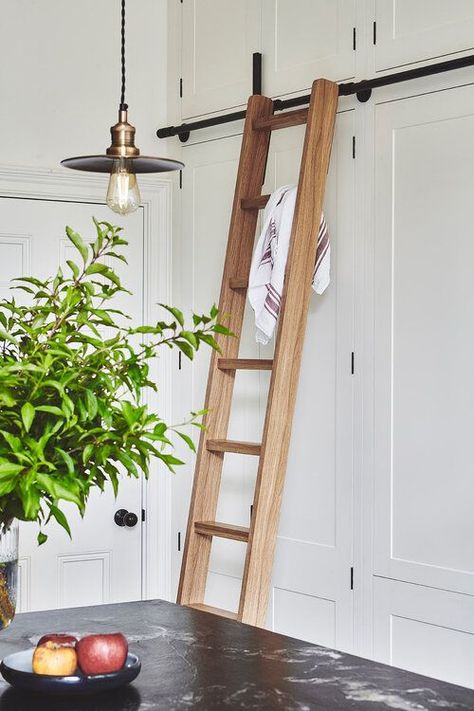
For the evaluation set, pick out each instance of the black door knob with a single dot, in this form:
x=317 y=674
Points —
x=125 y=518
x=131 y=520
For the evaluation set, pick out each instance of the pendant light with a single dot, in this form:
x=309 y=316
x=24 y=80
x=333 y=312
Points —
x=122 y=159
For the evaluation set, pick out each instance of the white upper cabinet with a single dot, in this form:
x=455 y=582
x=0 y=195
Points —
x=414 y=30
x=303 y=40
x=219 y=38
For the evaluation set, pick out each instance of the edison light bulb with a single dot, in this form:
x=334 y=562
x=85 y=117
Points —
x=123 y=195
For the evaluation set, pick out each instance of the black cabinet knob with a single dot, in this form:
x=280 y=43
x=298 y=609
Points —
x=125 y=518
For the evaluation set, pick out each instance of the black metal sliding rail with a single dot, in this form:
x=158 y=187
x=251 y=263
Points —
x=362 y=89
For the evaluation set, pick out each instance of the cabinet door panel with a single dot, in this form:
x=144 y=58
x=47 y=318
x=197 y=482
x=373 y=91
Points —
x=306 y=39
x=424 y=630
x=311 y=595
x=411 y=31
x=424 y=347
x=219 y=37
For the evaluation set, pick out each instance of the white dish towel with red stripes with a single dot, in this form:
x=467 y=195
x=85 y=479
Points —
x=267 y=271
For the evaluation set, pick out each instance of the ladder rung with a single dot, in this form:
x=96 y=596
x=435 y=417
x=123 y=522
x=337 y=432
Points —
x=228 y=445
x=244 y=364
x=256 y=203
x=222 y=530
x=238 y=282
x=214 y=610
x=285 y=120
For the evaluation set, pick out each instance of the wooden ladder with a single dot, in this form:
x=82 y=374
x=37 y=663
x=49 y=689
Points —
x=260 y=538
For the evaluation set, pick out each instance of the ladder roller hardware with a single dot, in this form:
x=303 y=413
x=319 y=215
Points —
x=260 y=536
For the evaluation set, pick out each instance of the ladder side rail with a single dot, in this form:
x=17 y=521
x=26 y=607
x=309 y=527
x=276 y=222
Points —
x=208 y=469
x=287 y=359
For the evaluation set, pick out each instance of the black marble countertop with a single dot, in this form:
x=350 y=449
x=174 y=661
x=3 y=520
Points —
x=196 y=660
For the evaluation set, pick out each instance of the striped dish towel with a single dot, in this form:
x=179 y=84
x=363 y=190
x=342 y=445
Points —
x=267 y=271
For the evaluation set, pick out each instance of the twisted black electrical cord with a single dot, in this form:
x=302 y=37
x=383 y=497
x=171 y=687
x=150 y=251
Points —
x=123 y=105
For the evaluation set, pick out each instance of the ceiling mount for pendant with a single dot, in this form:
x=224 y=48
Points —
x=122 y=158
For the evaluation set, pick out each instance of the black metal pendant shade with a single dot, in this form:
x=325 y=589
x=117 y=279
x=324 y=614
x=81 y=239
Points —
x=104 y=164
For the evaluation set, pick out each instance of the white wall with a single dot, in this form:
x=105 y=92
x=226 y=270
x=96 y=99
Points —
x=60 y=77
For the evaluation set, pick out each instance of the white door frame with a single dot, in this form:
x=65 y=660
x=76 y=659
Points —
x=68 y=186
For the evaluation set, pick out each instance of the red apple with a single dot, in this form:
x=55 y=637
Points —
x=59 y=639
x=102 y=653
x=54 y=660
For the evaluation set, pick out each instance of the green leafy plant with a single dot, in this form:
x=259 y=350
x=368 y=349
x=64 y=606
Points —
x=72 y=377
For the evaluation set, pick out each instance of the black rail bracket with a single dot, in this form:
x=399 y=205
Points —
x=183 y=137
x=364 y=95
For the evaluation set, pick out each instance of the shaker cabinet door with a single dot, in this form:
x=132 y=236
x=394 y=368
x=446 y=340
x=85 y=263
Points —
x=219 y=38
x=415 y=30
x=311 y=596
x=306 y=39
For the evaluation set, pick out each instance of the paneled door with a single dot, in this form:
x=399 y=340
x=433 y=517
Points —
x=218 y=40
x=413 y=30
x=311 y=591
x=306 y=39
x=424 y=384
x=102 y=563
x=311 y=596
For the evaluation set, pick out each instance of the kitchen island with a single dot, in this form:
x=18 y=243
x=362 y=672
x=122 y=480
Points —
x=193 y=659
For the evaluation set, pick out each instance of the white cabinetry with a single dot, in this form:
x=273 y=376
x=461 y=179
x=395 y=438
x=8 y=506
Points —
x=306 y=39
x=408 y=424
x=311 y=595
x=424 y=350
x=414 y=30
x=219 y=38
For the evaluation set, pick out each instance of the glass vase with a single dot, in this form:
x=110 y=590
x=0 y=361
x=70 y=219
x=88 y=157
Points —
x=8 y=572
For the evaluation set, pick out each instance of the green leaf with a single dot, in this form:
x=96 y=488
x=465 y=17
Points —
x=96 y=268
x=27 y=415
x=190 y=337
x=73 y=267
x=60 y=488
x=87 y=453
x=186 y=348
x=42 y=538
x=67 y=459
x=60 y=518
x=52 y=409
x=127 y=462
x=78 y=242
x=219 y=328
x=91 y=403
x=8 y=469
x=188 y=441
x=13 y=442
x=175 y=312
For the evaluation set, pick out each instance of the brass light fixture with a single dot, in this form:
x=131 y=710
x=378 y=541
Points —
x=122 y=159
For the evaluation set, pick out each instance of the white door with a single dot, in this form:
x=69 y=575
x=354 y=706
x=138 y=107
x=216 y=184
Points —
x=311 y=596
x=303 y=40
x=102 y=563
x=218 y=40
x=413 y=30
x=424 y=383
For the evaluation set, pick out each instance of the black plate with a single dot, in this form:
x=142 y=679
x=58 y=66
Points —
x=17 y=670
